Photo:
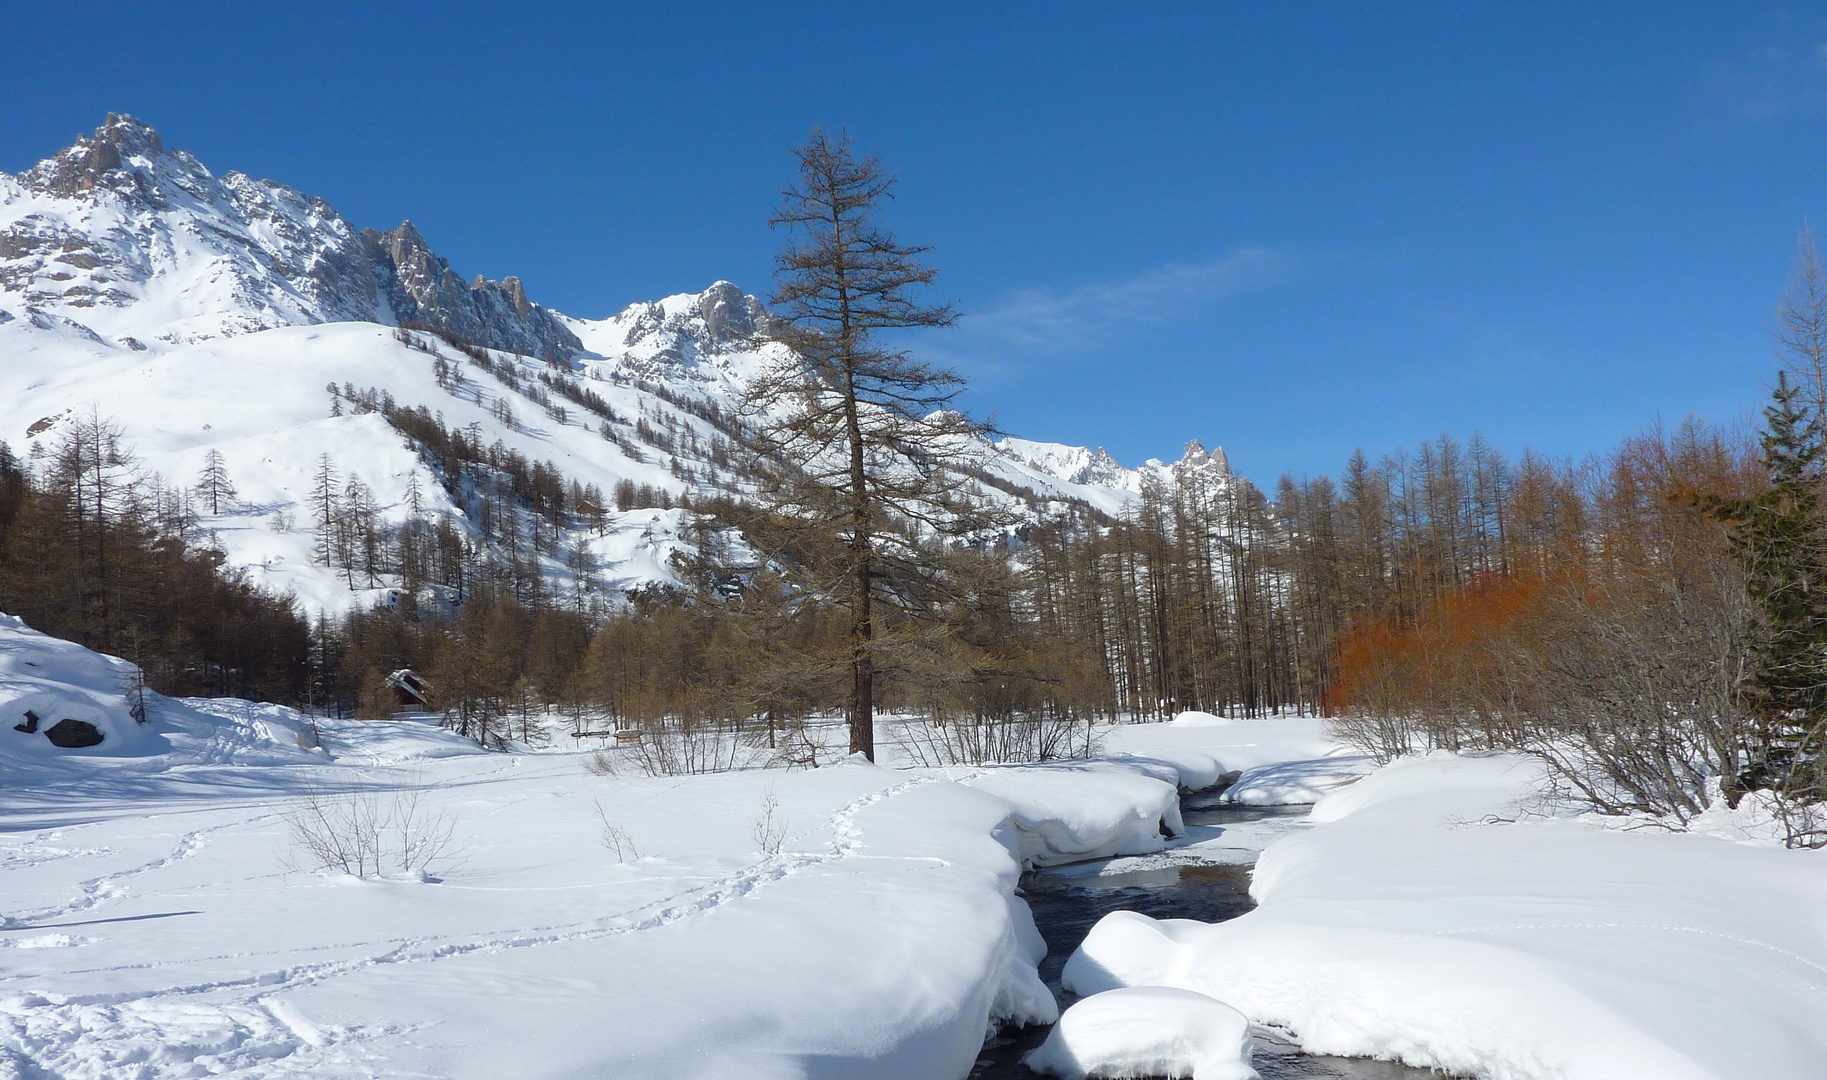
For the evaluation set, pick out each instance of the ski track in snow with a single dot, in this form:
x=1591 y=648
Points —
x=257 y=1034
x=108 y=888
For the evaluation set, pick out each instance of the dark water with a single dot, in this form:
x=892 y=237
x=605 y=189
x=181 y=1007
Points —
x=1066 y=904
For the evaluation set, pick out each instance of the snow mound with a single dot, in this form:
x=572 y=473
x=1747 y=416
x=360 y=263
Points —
x=1147 y=1031
x=45 y=681
x=1195 y=718
x=1127 y=948
x=1296 y=783
x=53 y=680
x=1086 y=810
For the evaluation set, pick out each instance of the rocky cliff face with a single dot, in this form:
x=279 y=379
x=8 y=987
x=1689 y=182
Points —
x=121 y=239
x=421 y=287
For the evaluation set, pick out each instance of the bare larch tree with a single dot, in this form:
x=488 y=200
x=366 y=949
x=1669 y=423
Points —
x=864 y=443
x=213 y=483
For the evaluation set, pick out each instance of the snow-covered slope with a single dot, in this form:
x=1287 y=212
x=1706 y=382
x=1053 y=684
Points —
x=209 y=313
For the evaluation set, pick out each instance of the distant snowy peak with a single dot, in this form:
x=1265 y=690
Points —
x=691 y=335
x=1073 y=464
x=120 y=239
x=119 y=235
x=1096 y=469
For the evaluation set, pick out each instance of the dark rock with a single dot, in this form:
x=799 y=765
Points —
x=73 y=734
x=731 y=318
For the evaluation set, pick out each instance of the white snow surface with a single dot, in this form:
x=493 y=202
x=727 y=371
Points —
x=1436 y=914
x=157 y=922
x=1144 y=1031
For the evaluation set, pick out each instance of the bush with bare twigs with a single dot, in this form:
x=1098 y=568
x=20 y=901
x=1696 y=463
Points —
x=367 y=832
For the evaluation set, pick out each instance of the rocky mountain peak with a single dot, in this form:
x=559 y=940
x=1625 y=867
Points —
x=129 y=136
x=679 y=332
x=730 y=317
x=98 y=160
x=121 y=239
x=421 y=287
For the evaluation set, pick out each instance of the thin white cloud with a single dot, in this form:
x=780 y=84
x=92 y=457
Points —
x=1773 y=79
x=1043 y=320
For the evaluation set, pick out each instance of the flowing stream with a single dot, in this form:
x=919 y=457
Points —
x=1067 y=901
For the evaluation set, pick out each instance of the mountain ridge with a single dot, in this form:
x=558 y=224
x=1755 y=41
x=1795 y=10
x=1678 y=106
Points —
x=238 y=315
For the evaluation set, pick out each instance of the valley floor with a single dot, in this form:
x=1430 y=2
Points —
x=854 y=920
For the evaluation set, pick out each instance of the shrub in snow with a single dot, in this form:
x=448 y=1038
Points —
x=770 y=826
x=680 y=746
x=1147 y=1031
x=616 y=838
x=363 y=832
x=983 y=739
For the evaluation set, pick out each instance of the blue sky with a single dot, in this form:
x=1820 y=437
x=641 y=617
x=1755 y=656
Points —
x=1289 y=233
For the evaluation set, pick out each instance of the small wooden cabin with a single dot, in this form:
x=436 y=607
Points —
x=410 y=690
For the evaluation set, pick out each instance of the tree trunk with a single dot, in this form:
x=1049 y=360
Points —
x=862 y=627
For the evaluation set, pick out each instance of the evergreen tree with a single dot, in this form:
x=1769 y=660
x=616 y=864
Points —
x=1780 y=534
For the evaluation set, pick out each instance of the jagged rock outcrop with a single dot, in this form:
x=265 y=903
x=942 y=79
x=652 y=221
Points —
x=421 y=287
x=1195 y=458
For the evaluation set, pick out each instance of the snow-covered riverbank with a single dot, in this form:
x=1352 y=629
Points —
x=845 y=921
x=1438 y=915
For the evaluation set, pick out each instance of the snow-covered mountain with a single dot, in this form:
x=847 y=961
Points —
x=120 y=239
x=232 y=314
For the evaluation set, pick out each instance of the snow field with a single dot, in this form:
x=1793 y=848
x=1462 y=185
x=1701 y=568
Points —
x=158 y=925
x=851 y=920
